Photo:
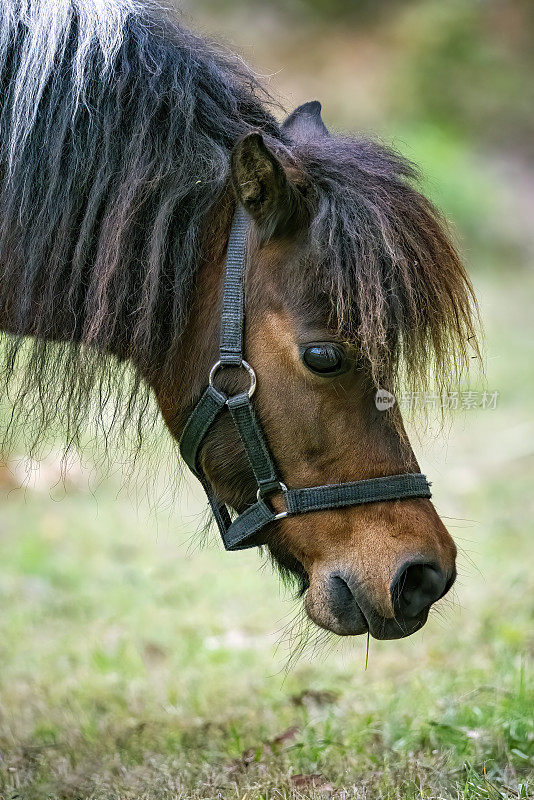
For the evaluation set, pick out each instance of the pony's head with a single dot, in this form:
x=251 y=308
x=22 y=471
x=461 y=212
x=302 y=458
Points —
x=352 y=284
x=125 y=143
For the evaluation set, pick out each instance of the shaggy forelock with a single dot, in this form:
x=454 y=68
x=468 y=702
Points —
x=383 y=256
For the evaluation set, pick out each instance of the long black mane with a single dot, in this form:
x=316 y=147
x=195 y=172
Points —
x=115 y=134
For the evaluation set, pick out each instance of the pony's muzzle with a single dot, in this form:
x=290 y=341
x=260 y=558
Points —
x=415 y=587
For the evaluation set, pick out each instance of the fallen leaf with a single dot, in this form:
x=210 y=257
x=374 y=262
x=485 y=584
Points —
x=285 y=736
x=313 y=781
x=315 y=697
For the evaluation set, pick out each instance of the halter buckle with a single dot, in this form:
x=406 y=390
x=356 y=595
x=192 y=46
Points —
x=283 y=489
x=243 y=365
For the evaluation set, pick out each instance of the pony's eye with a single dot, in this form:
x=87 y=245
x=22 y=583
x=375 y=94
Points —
x=324 y=358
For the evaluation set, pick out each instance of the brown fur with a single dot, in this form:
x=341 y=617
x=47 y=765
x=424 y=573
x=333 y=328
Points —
x=320 y=432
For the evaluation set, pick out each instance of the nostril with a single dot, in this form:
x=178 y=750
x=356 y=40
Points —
x=341 y=597
x=416 y=587
x=347 y=616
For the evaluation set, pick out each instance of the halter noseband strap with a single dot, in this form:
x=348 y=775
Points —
x=243 y=531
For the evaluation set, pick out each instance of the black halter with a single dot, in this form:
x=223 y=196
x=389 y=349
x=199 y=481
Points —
x=243 y=531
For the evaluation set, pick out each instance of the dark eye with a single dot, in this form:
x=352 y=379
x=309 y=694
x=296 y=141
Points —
x=324 y=358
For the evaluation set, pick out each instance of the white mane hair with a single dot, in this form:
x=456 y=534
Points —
x=46 y=26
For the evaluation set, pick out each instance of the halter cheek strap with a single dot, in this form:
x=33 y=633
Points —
x=244 y=531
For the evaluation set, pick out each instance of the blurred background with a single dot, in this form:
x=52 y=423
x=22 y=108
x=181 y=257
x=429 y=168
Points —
x=134 y=661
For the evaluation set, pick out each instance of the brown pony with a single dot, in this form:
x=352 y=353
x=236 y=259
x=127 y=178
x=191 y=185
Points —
x=125 y=144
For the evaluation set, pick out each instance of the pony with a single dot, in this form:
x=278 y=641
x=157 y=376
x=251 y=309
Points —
x=126 y=144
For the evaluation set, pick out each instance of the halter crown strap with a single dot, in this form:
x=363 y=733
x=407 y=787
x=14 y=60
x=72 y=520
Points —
x=244 y=530
x=233 y=312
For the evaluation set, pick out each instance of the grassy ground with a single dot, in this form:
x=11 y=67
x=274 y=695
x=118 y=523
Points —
x=134 y=664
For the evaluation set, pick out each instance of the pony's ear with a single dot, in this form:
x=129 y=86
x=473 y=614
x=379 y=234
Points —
x=262 y=186
x=305 y=122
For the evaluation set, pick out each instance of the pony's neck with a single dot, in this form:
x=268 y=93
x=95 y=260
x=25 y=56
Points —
x=177 y=391
x=197 y=343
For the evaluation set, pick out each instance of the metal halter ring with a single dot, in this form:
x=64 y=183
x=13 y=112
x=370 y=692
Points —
x=283 y=489
x=244 y=364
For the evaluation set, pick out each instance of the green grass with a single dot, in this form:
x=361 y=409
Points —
x=135 y=664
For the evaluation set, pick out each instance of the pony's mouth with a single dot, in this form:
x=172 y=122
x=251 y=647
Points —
x=341 y=604
x=349 y=618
